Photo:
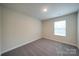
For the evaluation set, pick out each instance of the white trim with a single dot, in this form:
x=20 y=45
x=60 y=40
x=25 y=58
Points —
x=32 y=41
x=62 y=42
x=18 y=46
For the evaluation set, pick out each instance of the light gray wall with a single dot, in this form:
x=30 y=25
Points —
x=18 y=29
x=78 y=30
x=0 y=28
x=71 y=38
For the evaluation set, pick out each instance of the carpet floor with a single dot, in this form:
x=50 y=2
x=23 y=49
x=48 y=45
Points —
x=44 y=47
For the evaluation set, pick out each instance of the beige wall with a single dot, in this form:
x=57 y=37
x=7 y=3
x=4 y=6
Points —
x=0 y=28
x=71 y=38
x=18 y=29
x=78 y=29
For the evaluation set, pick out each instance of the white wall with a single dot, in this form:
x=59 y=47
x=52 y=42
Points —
x=19 y=29
x=71 y=38
x=0 y=28
x=78 y=30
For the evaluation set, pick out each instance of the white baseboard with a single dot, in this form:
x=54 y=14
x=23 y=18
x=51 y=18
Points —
x=30 y=42
x=19 y=46
x=61 y=42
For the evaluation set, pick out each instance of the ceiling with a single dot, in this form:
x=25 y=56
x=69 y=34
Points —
x=36 y=9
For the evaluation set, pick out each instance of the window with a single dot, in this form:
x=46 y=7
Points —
x=60 y=28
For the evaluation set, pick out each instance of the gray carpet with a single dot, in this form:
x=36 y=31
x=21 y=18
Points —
x=44 y=47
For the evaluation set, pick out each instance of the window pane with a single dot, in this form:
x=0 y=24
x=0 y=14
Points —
x=60 y=28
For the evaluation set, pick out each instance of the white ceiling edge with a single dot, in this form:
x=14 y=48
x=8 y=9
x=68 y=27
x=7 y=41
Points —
x=60 y=16
x=35 y=10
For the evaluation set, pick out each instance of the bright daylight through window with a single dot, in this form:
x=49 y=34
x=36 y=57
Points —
x=60 y=28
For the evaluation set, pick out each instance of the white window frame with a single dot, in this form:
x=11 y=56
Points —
x=61 y=23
